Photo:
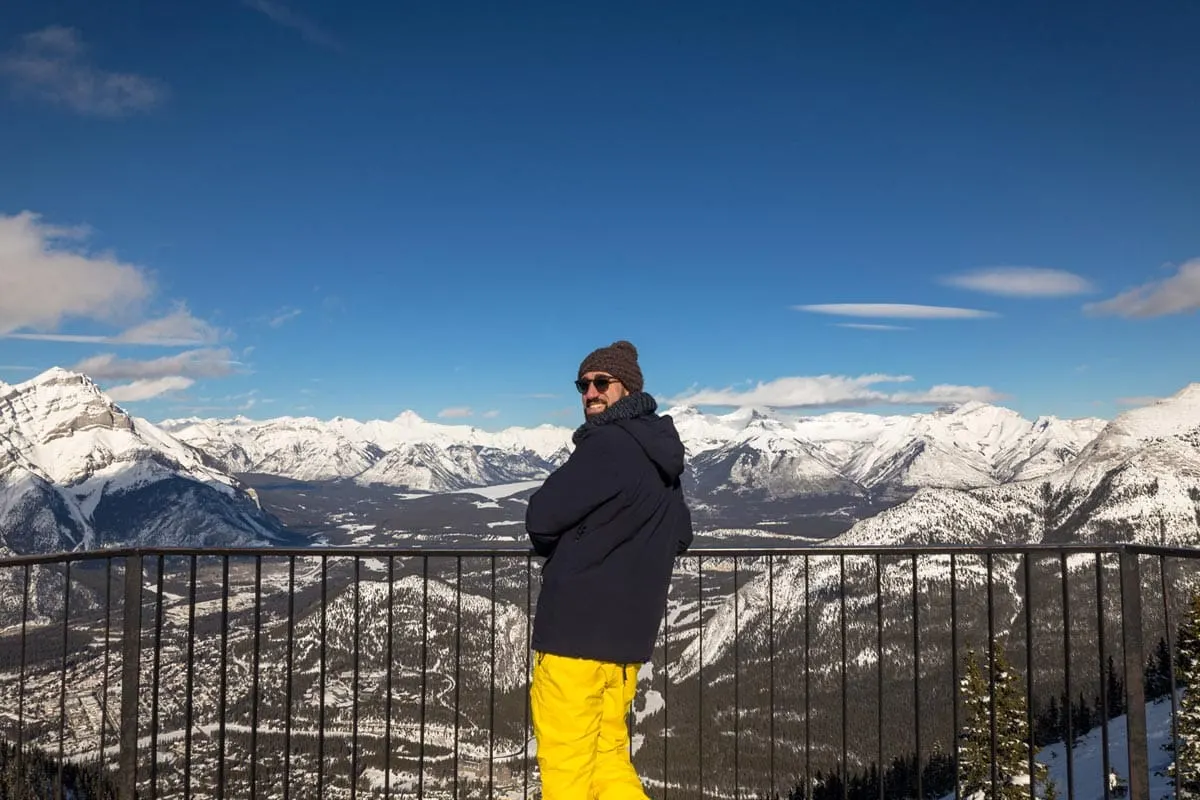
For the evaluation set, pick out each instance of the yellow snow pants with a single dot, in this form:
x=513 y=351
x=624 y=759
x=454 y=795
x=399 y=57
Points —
x=579 y=710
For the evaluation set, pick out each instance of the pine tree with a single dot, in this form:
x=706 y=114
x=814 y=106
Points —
x=1114 y=691
x=1012 y=741
x=1157 y=674
x=1187 y=749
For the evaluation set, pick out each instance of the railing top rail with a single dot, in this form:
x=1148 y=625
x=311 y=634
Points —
x=516 y=552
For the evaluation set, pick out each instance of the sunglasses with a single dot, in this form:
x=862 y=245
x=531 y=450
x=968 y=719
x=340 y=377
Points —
x=602 y=382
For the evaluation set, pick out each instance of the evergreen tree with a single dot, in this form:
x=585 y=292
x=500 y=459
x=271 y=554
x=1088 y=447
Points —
x=1114 y=690
x=1012 y=745
x=1187 y=748
x=1158 y=675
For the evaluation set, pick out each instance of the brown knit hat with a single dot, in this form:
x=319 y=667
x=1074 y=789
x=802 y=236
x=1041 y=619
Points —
x=619 y=359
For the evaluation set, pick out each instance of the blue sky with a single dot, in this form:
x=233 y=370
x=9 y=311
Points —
x=278 y=208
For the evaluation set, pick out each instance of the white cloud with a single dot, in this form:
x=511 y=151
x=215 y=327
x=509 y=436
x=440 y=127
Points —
x=1174 y=295
x=491 y=414
x=282 y=15
x=895 y=311
x=41 y=283
x=1022 y=282
x=455 y=412
x=205 y=363
x=1137 y=401
x=178 y=329
x=52 y=64
x=870 y=326
x=282 y=316
x=146 y=389
x=833 y=390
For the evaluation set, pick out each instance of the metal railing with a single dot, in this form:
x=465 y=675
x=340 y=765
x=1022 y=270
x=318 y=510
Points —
x=817 y=673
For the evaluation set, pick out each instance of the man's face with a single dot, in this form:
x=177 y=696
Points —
x=600 y=390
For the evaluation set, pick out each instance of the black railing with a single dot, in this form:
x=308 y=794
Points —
x=825 y=674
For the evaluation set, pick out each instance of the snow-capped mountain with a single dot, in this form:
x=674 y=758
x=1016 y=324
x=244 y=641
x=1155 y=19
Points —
x=1137 y=481
x=748 y=452
x=407 y=452
x=76 y=471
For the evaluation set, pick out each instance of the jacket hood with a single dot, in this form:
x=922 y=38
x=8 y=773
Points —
x=660 y=440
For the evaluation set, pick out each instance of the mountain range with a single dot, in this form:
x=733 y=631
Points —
x=78 y=471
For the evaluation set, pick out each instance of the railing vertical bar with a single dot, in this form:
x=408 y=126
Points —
x=289 y=666
x=991 y=626
x=224 y=679
x=424 y=673
x=879 y=667
x=457 y=661
x=189 y=681
x=62 y=691
x=387 y=686
x=155 y=678
x=771 y=663
x=1135 y=692
x=107 y=659
x=492 y=679
x=254 y=677
x=528 y=670
x=1102 y=651
x=916 y=617
x=807 y=689
x=844 y=766
x=131 y=649
x=1168 y=624
x=1067 y=684
x=355 y=651
x=700 y=669
x=666 y=680
x=955 y=690
x=21 y=679
x=1027 y=564
x=737 y=668
x=321 y=677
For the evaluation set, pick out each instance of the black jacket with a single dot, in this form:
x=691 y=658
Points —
x=610 y=522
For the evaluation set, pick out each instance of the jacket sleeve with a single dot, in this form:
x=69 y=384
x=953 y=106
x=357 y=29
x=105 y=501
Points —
x=685 y=526
x=574 y=490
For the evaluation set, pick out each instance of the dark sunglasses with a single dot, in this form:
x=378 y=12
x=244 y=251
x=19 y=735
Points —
x=602 y=383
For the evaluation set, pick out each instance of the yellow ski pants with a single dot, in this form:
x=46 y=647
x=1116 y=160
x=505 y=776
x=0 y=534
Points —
x=579 y=710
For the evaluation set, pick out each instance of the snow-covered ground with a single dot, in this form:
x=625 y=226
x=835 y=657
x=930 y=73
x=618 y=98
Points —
x=1088 y=757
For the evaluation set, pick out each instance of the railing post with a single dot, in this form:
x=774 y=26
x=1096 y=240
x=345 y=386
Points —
x=131 y=647
x=1135 y=694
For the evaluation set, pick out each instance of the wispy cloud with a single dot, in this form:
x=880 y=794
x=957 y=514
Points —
x=19 y=368
x=146 y=389
x=833 y=390
x=43 y=282
x=895 y=311
x=282 y=316
x=1021 y=282
x=1144 y=400
x=871 y=326
x=491 y=413
x=280 y=14
x=1174 y=295
x=455 y=412
x=177 y=329
x=205 y=363
x=53 y=64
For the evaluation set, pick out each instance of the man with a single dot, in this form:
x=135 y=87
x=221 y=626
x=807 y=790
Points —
x=609 y=522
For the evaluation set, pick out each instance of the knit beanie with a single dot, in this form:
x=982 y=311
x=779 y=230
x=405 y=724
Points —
x=619 y=359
